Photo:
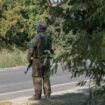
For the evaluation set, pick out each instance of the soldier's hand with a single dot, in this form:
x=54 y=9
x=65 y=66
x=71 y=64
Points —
x=29 y=55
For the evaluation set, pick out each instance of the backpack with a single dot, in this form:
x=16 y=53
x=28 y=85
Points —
x=44 y=43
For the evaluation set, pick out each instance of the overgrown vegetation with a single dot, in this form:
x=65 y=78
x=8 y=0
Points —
x=18 y=19
x=17 y=26
x=78 y=27
x=5 y=103
x=67 y=99
x=12 y=58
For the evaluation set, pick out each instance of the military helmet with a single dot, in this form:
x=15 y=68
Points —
x=41 y=27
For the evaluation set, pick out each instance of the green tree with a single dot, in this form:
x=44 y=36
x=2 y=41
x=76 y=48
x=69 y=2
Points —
x=18 y=19
x=79 y=27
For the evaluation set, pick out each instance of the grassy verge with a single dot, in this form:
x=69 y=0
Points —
x=5 y=103
x=66 y=99
x=12 y=58
x=16 y=57
x=72 y=99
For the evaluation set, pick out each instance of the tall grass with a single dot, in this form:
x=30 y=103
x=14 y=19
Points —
x=12 y=58
x=15 y=57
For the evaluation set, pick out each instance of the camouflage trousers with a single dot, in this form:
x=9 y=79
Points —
x=41 y=78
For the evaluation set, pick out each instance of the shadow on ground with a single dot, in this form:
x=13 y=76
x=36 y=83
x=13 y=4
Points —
x=81 y=98
x=66 y=99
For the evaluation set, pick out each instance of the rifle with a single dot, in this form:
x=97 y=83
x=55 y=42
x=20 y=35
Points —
x=30 y=64
x=47 y=55
x=31 y=61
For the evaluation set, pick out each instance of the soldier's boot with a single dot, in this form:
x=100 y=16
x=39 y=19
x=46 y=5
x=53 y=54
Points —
x=34 y=97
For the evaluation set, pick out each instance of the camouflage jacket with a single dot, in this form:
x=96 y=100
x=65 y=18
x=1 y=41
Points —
x=39 y=45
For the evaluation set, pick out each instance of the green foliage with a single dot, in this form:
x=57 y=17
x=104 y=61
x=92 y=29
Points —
x=79 y=28
x=18 y=19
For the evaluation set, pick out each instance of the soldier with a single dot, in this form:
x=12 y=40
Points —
x=39 y=47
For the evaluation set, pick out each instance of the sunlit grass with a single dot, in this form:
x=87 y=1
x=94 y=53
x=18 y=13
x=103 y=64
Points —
x=5 y=103
x=12 y=58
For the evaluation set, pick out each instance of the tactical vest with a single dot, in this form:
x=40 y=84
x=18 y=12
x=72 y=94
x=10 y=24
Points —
x=43 y=44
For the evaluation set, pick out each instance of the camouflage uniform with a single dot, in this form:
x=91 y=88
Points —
x=40 y=72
